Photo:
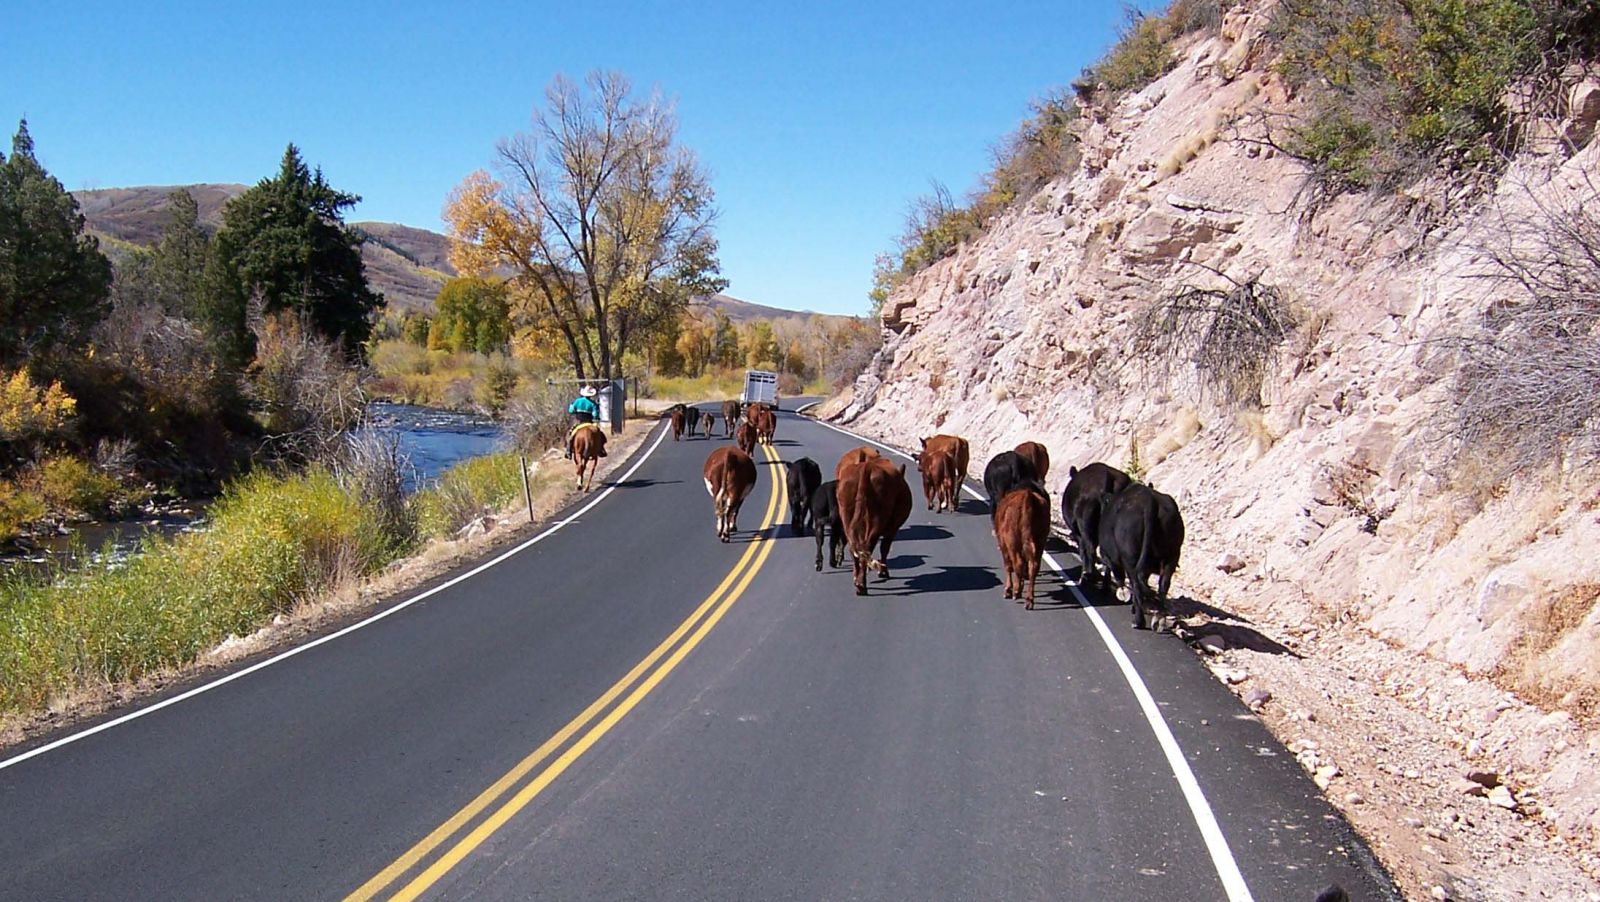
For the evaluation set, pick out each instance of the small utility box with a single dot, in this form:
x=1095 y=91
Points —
x=611 y=400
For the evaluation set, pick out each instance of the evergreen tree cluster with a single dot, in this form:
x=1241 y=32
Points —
x=161 y=346
x=54 y=282
x=283 y=246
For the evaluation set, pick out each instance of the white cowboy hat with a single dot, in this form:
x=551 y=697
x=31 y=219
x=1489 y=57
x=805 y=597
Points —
x=589 y=392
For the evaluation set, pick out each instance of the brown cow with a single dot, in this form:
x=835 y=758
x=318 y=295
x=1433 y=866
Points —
x=940 y=486
x=708 y=420
x=851 y=458
x=677 y=422
x=874 y=502
x=772 y=421
x=956 y=445
x=1022 y=525
x=730 y=476
x=745 y=437
x=760 y=418
x=1039 y=455
x=730 y=417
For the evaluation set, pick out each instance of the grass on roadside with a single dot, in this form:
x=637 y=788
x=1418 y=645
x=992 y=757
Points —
x=274 y=541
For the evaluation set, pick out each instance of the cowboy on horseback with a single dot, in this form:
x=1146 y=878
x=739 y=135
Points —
x=584 y=412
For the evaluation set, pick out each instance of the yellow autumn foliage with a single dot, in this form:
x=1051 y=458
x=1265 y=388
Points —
x=28 y=410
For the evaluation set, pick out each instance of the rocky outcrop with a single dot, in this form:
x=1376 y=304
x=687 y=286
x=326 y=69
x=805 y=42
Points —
x=1337 y=496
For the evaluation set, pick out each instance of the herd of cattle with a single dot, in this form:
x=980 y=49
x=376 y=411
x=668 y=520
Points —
x=1125 y=527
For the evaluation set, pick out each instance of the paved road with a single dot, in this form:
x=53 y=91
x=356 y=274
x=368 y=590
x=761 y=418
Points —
x=630 y=709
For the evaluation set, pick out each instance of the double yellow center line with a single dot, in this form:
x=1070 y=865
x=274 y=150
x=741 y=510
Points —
x=523 y=783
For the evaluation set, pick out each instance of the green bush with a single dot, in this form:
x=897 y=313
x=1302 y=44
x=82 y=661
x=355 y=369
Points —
x=1396 y=88
x=1143 y=51
x=496 y=384
x=18 y=508
x=468 y=490
x=1140 y=56
x=71 y=485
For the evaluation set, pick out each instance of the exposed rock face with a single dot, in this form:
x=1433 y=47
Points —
x=1339 y=487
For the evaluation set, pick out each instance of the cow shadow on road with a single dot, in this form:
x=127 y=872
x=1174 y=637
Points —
x=746 y=536
x=921 y=532
x=643 y=483
x=952 y=579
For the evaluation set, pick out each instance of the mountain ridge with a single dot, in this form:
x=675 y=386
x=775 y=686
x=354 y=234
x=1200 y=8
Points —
x=407 y=263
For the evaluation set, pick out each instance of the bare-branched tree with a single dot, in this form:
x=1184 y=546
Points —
x=1229 y=334
x=605 y=222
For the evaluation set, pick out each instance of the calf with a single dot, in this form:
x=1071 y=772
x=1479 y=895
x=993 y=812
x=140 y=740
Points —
x=676 y=415
x=804 y=477
x=1080 y=510
x=825 y=521
x=874 y=502
x=851 y=458
x=730 y=417
x=1039 y=455
x=959 y=449
x=708 y=420
x=1141 y=533
x=1022 y=525
x=745 y=437
x=730 y=476
x=1006 y=471
x=954 y=444
x=765 y=421
x=940 y=486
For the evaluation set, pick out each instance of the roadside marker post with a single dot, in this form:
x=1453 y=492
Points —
x=527 y=490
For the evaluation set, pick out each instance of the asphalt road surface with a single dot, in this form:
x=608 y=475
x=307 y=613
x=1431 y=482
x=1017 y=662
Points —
x=629 y=709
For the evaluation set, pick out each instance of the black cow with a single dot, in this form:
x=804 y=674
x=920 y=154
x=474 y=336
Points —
x=691 y=419
x=1141 y=532
x=826 y=522
x=1006 y=471
x=804 y=477
x=1080 y=510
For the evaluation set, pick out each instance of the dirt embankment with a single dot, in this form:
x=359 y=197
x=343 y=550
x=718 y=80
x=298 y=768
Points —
x=1435 y=643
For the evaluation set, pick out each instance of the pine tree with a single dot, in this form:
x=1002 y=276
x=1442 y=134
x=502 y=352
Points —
x=180 y=258
x=54 y=282
x=285 y=241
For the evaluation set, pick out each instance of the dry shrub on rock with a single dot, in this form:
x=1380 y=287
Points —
x=1526 y=377
x=1229 y=335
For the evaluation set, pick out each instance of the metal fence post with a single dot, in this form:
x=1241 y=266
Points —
x=527 y=490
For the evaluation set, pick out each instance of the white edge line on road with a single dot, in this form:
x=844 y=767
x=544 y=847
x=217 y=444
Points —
x=207 y=687
x=1216 y=844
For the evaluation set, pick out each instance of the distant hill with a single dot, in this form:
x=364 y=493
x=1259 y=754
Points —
x=407 y=264
x=741 y=311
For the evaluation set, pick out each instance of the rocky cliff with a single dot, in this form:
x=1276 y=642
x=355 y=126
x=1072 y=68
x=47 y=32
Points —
x=1329 y=509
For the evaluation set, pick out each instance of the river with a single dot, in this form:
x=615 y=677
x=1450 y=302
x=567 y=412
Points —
x=433 y=440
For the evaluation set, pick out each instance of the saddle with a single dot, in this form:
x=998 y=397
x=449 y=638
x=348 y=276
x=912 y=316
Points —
x=573 y=435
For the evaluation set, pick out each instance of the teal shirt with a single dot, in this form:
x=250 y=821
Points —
x=584 y=405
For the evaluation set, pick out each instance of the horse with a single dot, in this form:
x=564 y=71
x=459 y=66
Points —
x=588 y=446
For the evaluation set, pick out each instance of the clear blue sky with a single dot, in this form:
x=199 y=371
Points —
x=818 y=121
